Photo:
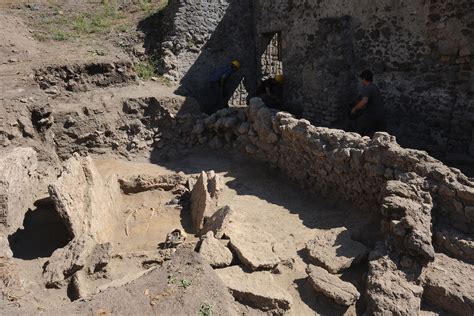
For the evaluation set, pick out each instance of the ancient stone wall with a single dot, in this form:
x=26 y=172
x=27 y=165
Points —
x=406 y=188
x=420 y=52
x=203 y=36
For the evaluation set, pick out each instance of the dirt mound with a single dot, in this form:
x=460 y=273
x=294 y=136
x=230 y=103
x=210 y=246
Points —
x=15 y=40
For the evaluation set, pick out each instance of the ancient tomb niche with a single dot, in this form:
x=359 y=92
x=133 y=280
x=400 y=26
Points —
x=271 y=60
x=44 y=232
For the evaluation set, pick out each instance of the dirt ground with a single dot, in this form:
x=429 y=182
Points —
x=255 y=190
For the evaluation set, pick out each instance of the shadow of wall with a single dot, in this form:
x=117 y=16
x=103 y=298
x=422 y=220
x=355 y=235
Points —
x=204 y=36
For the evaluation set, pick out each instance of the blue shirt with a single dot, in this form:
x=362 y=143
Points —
x=222 y=73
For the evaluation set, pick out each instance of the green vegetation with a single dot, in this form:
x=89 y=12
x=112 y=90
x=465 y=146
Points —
x=205 y=310
x=185 y=283
x=60 y=36
x=146 y=69
x=67 y=24
x=171 y=279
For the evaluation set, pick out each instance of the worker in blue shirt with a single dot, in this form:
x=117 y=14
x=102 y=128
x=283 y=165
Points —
x=218 y=85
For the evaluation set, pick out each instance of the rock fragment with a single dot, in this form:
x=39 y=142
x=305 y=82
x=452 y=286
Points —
x=215 y=253
x=253 y=246
x=331 y=286
x=99 y=258
x=449 y=285
x=389 y=292
x=334 y=250
x=219 y=222
x=202 y=205
x=64 y=262
x=257 y=289
x=411 y=207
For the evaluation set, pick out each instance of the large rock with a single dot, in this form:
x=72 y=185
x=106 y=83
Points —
x=202 y=205
x=449 y=285
x=64 y=262
x=334 y=249
x=215 y=253
x=18 y=186
x=253 y=246
x=257 y=289
x=85 y=201
x=343 y=293
x=389 y=292
x=220 y=221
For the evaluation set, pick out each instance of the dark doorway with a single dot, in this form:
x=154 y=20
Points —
x=43 y=233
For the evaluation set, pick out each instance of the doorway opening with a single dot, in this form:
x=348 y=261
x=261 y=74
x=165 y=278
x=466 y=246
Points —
x=271 y=60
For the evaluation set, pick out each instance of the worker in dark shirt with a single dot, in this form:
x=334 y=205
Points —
x=271 y=92
x=218 y=86
x=369 y=111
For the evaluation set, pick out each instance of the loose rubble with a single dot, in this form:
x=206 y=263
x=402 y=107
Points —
x=449 y=285
x=390 y=290
x=215 y=253
x=256 y=289
x=341 y=292
x=335 y=251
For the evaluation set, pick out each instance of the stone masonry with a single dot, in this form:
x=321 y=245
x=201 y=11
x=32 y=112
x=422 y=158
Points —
x=414 y=196
x=405 y=187
x=420 y=53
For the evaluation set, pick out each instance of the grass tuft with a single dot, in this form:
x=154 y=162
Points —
x=146 y=69
x=205 y=310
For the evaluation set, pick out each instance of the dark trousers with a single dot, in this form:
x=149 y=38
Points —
x=218 y=98
x=366 y=123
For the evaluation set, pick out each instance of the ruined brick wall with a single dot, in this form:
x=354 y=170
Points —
x=420 y=52
x=202 y=36
x=406 y=188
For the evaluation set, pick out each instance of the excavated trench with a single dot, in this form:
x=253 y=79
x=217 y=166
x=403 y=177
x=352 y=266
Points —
x=331 y=222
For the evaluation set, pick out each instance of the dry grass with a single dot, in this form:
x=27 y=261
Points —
x=89 y=19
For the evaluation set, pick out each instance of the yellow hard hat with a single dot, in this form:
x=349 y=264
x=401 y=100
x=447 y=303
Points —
x=236 y=64
x=279 y=78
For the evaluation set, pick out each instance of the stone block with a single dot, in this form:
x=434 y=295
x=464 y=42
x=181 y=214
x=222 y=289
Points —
x=334 y=249
x=257 y=289
x=331 y=286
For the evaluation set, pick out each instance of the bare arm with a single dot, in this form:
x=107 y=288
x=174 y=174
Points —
x=361 y=105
